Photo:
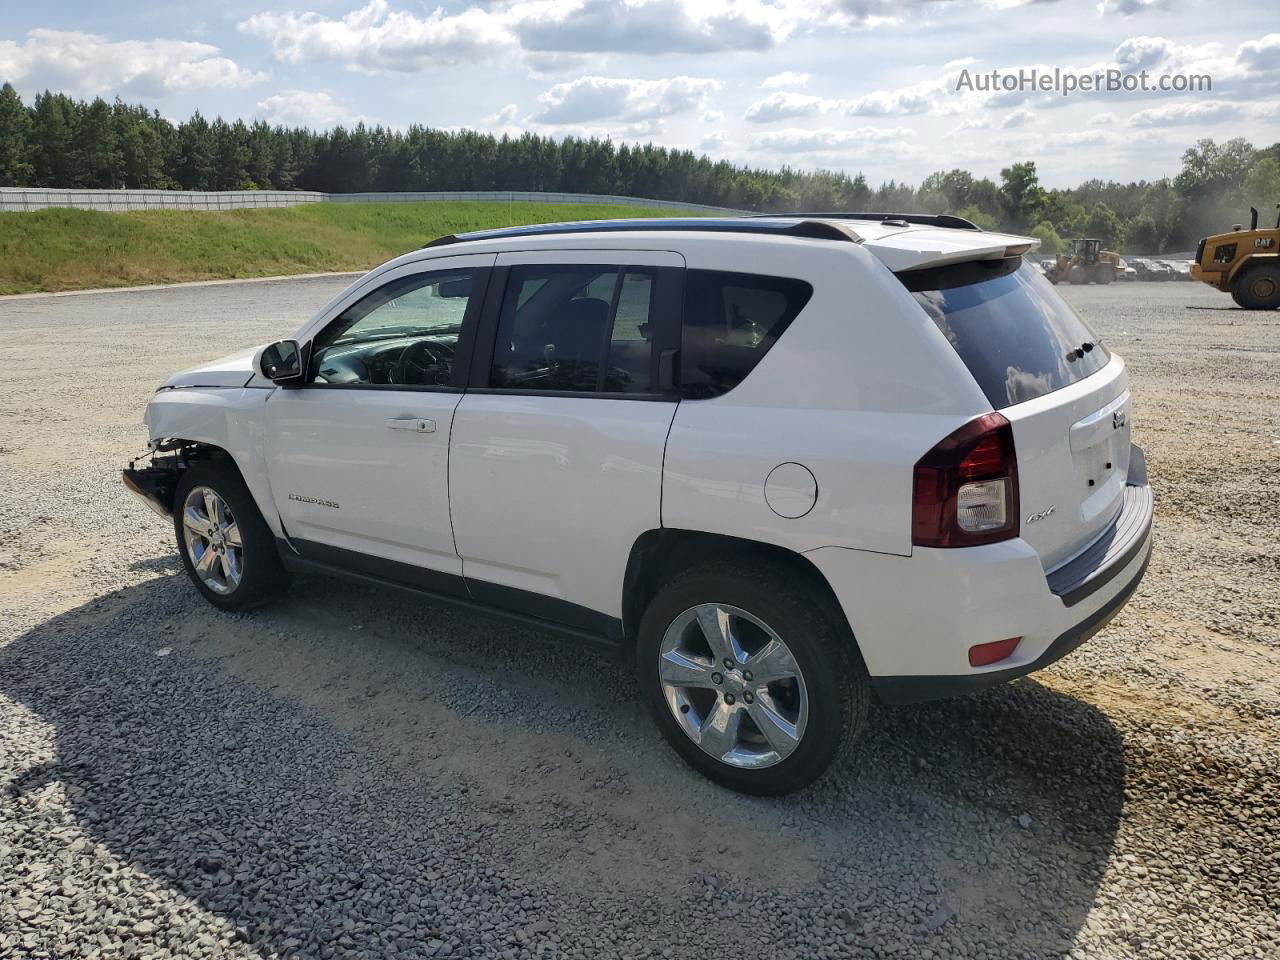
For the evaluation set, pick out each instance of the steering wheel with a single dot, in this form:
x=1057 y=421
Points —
x=423 y=363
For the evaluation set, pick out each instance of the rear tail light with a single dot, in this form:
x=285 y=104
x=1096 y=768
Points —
x=965 y=489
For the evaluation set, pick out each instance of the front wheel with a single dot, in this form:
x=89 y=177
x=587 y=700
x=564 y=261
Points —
x=227 y=548
x=1258 y=288
x=751 y=676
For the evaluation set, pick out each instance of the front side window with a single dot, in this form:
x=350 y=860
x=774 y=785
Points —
x=576 y=328
x=731 y=320
x=405 y=333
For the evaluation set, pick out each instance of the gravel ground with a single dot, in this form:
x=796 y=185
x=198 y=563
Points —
x=356 y=773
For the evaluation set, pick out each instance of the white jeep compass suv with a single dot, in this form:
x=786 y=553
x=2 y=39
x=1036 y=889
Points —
x=786 y=464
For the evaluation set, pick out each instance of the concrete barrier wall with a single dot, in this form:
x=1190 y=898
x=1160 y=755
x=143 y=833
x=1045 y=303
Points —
x=40 y=198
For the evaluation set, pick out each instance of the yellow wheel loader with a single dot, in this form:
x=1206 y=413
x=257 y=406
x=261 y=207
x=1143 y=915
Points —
x=1086 y=262
x=1243 y=263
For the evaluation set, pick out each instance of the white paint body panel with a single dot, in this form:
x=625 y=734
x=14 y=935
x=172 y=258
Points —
x=549 y=493
x=225 y=417
x=233 y=370
x=919 y=615
x=860 y=386
x=391 y=487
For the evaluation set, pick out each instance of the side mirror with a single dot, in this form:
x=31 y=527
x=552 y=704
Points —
x=281 y=362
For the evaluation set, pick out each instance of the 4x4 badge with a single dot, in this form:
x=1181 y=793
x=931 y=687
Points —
x=1047 y=512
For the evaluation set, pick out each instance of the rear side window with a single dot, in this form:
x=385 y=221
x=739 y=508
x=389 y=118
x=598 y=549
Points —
x=731 y=320
x=576 y=328
x=1018 y=338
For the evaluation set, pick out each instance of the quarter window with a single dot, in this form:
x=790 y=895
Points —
x=731 y=320
x=404 y=333
x=576 y=328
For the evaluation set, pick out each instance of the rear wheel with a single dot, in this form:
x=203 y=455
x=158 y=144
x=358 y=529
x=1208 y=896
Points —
x=227 y=548
x=1258 y=287
x=751 y=677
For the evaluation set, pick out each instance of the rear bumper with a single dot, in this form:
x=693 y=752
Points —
x=916 y=617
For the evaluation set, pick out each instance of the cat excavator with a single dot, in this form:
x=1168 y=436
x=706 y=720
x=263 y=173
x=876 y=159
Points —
x=1086 y=262
x=1243 y=263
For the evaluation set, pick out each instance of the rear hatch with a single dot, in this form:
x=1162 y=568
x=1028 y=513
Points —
x=1065 y=396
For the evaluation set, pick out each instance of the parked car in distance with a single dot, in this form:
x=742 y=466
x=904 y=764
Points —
x=779 y=465
x=1141 y=266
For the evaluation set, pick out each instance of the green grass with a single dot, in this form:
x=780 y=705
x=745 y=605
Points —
x=81 y=249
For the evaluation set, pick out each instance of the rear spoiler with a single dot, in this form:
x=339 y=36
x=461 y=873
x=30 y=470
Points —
x=918 y=249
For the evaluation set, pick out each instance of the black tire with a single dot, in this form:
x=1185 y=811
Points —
x=1236 y=297
x=262 y=577
x=820 y=641
x=1258 y=287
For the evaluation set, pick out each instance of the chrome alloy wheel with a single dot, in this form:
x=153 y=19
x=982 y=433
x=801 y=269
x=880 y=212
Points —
x=213 y=540
x=733 y=686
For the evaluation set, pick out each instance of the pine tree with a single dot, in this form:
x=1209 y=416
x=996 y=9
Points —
x=15 y=140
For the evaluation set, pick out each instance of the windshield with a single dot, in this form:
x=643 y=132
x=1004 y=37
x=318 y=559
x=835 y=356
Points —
x=1018 y=338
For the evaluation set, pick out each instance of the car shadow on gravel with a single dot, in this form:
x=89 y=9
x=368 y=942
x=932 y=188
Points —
x=333 y=824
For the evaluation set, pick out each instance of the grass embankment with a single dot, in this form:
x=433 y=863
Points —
x=81 y=249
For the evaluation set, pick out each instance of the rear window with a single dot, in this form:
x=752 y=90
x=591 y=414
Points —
x=1018 y=338
x=731 y=320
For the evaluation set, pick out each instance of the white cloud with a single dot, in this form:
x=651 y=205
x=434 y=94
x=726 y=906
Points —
x=505 y=117
x=302 y=108
x=916 y=98
x=652 y=26
x=712 y=116
x=1139 y=53
x=1103 y=119
x=1080 y=138
x=87 y=64
x=1018 y=118
x=960 y=63
x=1183 y=114
x=1128 y=8
x=783 y=106
x=1259 y=56
x=795 y=140
x=713 y=142
x=788 y=78
x=606 y=98
x=904 y=101
x=377 y=38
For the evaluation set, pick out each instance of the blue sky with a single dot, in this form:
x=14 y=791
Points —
x=852 y=85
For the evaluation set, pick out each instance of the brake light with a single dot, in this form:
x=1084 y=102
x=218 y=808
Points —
x=965 y=490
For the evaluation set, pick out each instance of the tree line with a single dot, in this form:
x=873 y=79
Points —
x=60 y=141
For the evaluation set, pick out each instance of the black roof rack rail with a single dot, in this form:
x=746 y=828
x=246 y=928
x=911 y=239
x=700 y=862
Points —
x=923 y=219
x=775 y=226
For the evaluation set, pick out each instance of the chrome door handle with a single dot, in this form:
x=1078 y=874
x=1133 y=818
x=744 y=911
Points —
x=416 y=424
